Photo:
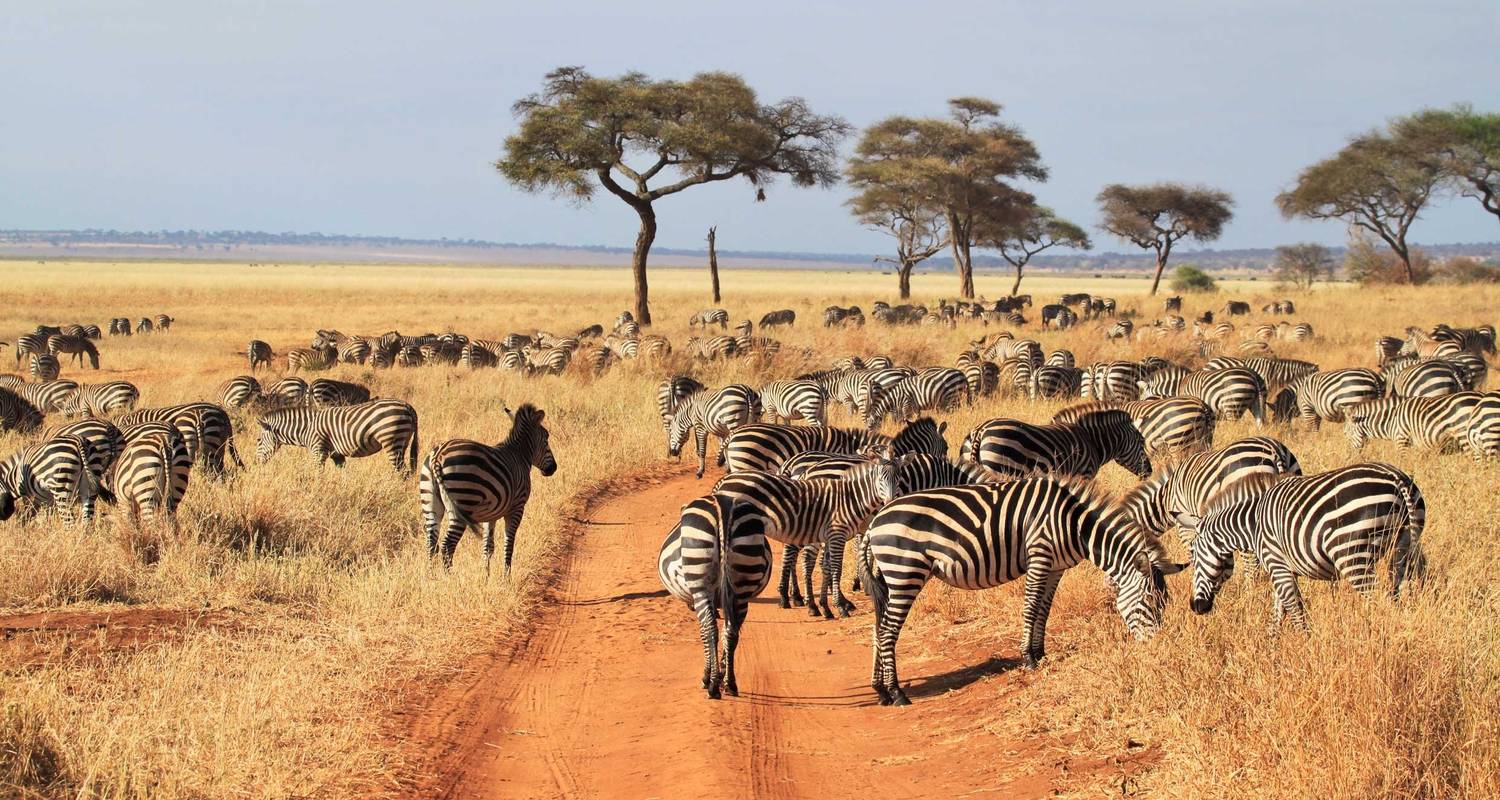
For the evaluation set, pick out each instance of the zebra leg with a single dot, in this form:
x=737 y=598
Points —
x=489 y=545
x=1407 y=563
x=733 y=618
x=708 y=631
x=456 y=528
x=1288 y=597
x=833 y=574
x=721 y=451
x=432 y=516
x=512 y=524
x=810 y=554
x=861 y=558
x=1041 y=587
x=701 y=436
x=887 y=632
x=338 y=460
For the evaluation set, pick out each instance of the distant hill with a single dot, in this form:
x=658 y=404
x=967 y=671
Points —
x=259 y=246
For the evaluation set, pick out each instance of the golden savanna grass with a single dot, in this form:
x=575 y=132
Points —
x=322 y=616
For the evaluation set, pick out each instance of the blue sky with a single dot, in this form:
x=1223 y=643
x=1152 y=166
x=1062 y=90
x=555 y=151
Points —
x=383 y=118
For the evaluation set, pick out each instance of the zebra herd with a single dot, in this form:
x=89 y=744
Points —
x=1018 y=501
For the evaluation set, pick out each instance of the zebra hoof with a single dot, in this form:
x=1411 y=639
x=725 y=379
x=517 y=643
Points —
x=1029 y=661
x=826 y=612
x=786 y=603
x=713 y=693
x=846 y=608
x=731 y=689
x=882 y=695
x=812 y=610
x=899 y=698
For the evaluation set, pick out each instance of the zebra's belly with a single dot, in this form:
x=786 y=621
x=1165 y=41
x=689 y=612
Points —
x=963 y=571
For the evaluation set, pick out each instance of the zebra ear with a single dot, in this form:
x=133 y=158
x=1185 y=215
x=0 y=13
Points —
x=540 y=415
x=942 y=426
x=1187 y=520
x=507 y=410
x=1170 y=568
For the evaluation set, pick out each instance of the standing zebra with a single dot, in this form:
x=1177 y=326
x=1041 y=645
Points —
x=100 y=399
x=716 y=562
x=1229 y=392
x=670 y=393
x=1120 y=330
x=1277 y=373
x=76 y=346
x=1077 y=449
x=718 y=413
x=932 y=389
x=53 y=473
x=104 y=440
x=983 y=536
x=1434 y=422
x=48 y=398
x=151 y=474
x=1189 y=486
x=1049 y=382
x=1334 y=525
x=785 y=316
x=1433 y=378
x=341 y=432
x=204 y=426
x=311 y=358
x=239 y=391
x=325 y=393
x=473 y=483
x=1483 y=432
x=710 y=316
x=44 y=367
x=1328 y=395
x=290 y=391
x=765 y=447
x=29 y=344
x=1112 y=381
x=17 y=413
x=785 y=401
x=1171 y=426
x=712 y=349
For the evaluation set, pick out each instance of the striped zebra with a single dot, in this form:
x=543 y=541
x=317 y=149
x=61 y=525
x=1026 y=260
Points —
x=258 y=354
x=145 y=325
x=163 y=322
x=76 y=346
x=104 y=443
x=53 y=397
x=1277 y=373
x=1171 y=427
x=1058 y=316
x=1427 y=422
x=151 y=474
x=932 y=389
x=1483 y=432
x=44 y=367
x=822 y=512
x=594 y=331
x=476 y=356
x=291 y=391
x=670 y=393
x=28 y=344
x=983 y=536
x=1052 y=382
x=838 y=315
x=765 y=447
x=1060 y=358
x=1433 y=378
x=239 y=391
x=598 y=358
x=983 y=378
x=1478 y=340
x=707 y=413
x=552 y=361
x=308 y=358
x=655 y=347
x=1230 y=392
x=326 y=393
x=1473 y=369
x=343 y=432
x=762 y=347
x=854 y=388
x=52 y=473
x=1189 y=486
x=1262 y=332
x=472 y=483
x=1328 y=395
x=1120 y=330
x=1301 y=332
x=1014 y=376
x=710 y=316
x=785 y=316
x=1334 y=525
x=355 y=350
x=116 y=329
x=1111 y=381
x=716 y=562
x=204 y=426
x=1387 y=348
x=1076 y=449
x=17 y=413
x=784 y=401
x=712 y=349
x=101 y=399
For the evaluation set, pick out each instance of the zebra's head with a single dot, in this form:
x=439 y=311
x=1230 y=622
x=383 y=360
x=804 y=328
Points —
x=526 y=424
x=268 y=443
x=1356 y=428
x=1141 y=593
x=678 y=426
x=1213 y=560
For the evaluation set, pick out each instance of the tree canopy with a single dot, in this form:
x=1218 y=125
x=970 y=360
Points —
x=1156 y=216
x=1300 y=265
x=1018 y=239
x=642 y=140
x=1466 y=145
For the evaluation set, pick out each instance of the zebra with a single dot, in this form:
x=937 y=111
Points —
x=1328 y=395
x=1173 y=305
x=239 y=391
x=714 y=348
x=325 y=393
x=475 y=356
x=76 y=346
x=598 y=358
x=1235 y=308
x=785 y=401
x=1230 y=392
x=1433 y=422
x=51 y=473
x=932 y=389
x=343 y=432
x=1060 y=358
x=1077 y=449
x=983 y=536
x=1333 y=525
x=472 y=483
x=765 y=447
x=290 y=391
x=1483 y=432
x=1051 y=381
x=258 y=354
x=1189 y=486
x=1478 y=340
x=308 y=358
x=28 y=344
x=1170 y=426
x=785 y=316
x=17 y=413
x=1433 y=378
x=710 y=316
x=44 y=367
x=99 y=399
x=1111 y=381
x=594 y=331
x=48 y=398
x=982 y=377
x=707 y=413
x=838 y=315
x=116 y=329
x=1387 y=348
x=1277 y=373
x=813 y=512
x=1121 y=329
x=163 y=322
x=1473 y=370
x=1301 y=332
x=655 y=347
x=145 y=325
x=1058 y=316
x=670 y=393
x=716 y=561
x=104 y=444
x=204 y=426
x=552 y=361
x=152 y=471
x=355 y=350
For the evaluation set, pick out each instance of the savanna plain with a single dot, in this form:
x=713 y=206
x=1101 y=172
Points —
x=280 y=643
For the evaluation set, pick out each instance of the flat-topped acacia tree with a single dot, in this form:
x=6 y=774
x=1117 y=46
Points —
x=642 y=140
x=1155 y=216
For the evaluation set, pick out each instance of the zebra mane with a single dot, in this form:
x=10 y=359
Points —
x=1110 y=508
x=523 y=420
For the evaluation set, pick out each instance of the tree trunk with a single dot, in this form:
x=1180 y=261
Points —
x=1016 y=287
x=963 y=259
x=1162 y=254
x=713 y=261
x=904 y=273
x=643 y=241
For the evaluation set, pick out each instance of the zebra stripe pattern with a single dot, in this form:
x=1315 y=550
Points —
x=17 y=413
x=1328 y=395
x=785 y=401
x=1111 y=381
x=77 y=346
x=1483 y=432
x=1229 y=392
x=718 y=414
x=204 y=426
x=326 y=393
x=1433 y=378
x=48 y=398
x=99 y=399
x=342 y=432
x=1434 y=422
x=765 y=447
x=1189 y=486
x=932 y=389
x=710 y=316
x=50 y=474
x=1171 y=426
x=1077 y=449
x=44 y=367
x=151 y=475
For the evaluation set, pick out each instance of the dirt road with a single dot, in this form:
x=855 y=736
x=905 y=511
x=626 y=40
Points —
x=603 y=699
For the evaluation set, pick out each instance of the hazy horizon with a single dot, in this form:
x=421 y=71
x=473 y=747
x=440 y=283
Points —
x=351 y=119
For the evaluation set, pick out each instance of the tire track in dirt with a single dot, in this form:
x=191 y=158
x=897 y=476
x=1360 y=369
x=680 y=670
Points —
x=602 y=698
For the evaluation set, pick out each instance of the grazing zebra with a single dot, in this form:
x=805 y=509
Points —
x=1483 y=432
x=655 y=347
x=151 y=474
x=104 y=443
x=785 y=316
x=1189 y=486
x=716 y=561
x=258 y=354
x=1078 y=449
x=713 y=348
x=1334 y=525
x=239 y=391
x=474 y=356
x=1473 y=340
x=1327 y=395
x=1235 y=308
x=552 y=361
x=707 y=413
x=1058 y=316
x=762 y=346
x=982 y=536
x=52 y=473
x=163 y=322
x=1434 y=422
x=855 y=388
x=48 y=398
x=932 y=389
x=117 y=329
x=1112 y=381
x=324 y=393
x=838 y=315
x=710 y=316
x=815 y=512
x=309 y=358
x=1060 y=358
x=472 y=483
x=99 y=399
x=1051 y=382
x=76 y=346
x=290 y=391
x=1301 y=332
x=1121 y=330
x=1230 y=392
x=44 y=367
x=145 y=325
x=785 y=401
x=1277 y=373
x=204 y=426
x=983 y=378
x=29 y=344
x=1170 y=426
x=1426 y=379
x=670 y=393
x=765 y=447
x=343 y=432
x=1264 y=333
x=17 y=413
x=355 y=350
x=594 y=331
x=598 y=358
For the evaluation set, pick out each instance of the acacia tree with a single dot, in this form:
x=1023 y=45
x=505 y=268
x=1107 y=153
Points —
x=959 y=166
x=1375 y=183
x=1156 y=216
x=642 y=140
x=1037 y=230
x=1302 y=264
x=920 y=231
x=1466 y=144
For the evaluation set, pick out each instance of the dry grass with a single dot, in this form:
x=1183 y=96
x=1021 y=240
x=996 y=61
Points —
x=335 y=606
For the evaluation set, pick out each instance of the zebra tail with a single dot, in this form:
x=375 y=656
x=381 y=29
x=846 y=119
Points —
x=727 y=509
x=411 y=450
x=874 y=584
x=1410 y=497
